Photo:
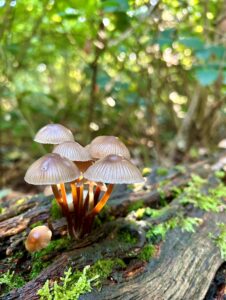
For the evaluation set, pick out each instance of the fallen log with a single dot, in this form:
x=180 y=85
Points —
x=183 y=267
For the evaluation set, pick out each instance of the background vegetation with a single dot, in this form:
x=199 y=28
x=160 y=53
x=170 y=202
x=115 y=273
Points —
x=151 y=72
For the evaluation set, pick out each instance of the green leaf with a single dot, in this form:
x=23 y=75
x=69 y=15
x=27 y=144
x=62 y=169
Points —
x=115 y=5
x=194 y=43
x=206 y=76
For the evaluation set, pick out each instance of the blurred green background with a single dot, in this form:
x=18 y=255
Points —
x=151 y=72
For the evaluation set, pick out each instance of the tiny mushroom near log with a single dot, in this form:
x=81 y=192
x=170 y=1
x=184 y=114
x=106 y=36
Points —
x=38 y=238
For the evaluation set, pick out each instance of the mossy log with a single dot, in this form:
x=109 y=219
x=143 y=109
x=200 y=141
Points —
x=182 y=268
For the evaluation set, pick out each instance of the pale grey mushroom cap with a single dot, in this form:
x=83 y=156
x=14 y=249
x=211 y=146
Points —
x=51 y=169
x=53 y=134
x=114 y=169
x=73 y=151
x=102 y=146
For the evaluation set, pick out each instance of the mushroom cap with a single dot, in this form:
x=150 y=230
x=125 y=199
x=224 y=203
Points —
x=51 y=169
x=102 y=146
x=73 y=151
x=53 y=134
x=38 y=238
x=114 y=169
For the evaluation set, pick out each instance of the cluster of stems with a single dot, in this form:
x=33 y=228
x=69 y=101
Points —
x=80 y=219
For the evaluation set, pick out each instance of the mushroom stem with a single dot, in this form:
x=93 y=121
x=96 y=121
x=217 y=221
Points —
x=57 y=195
x=74 y=196
x=88 y=222
x=66 y=210
x=102 y=201
x=80 y=208
x=91 y=196
x=75 y=202
x=97 y=194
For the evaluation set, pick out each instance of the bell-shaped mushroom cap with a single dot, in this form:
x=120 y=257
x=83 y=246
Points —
x=53 y=134
x=114 y=169
x=102 y=146
x=51 y=169
x=73 y=151
x=38 y=238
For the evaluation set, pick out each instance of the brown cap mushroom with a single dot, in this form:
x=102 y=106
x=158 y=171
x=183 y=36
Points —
x=114 y=169
x=53 y=134
x=51 y=169
x=38 y=238
x=102 y=146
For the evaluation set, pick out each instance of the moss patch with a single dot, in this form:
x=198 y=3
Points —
x=10 y=281
x=136 y=205
x=147 y=252
x=38 y=258
x=220 y=239
x=75 y=284
x=36 y=224
x=55 y=210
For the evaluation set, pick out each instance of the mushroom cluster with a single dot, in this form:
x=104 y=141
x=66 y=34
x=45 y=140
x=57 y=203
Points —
x=90 y=171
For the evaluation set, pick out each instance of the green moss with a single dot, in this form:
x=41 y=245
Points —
x=10 y=281
x=75 y=284
x=126 y=236
x=136 y=205
x=147 y=252
x=158 y=232
x=210 y=200
x=55 y=210
x=2 y=210
x=20 y=201
x=220 y=239
x=220 y=174
x=162 y=171
x=180 y=169
x=103 y=268
x=36 y=224
x=38 y=261
x=71 y=286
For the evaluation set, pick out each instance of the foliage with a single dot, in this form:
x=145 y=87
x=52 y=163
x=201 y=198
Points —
x=10 y=281
x=86 y=63
x=220 y=239
x=74 y=284
x=195 y=194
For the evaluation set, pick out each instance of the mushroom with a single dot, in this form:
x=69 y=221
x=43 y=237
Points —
x=112 y=169
x=81 y=157
x=38 y=238
x=53 y=134
x=52 y=169
x=75 y=152
x=102 y=146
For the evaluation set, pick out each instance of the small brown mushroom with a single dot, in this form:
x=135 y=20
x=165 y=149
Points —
x=53 y=134
x=102 y=146
x=38 y=238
